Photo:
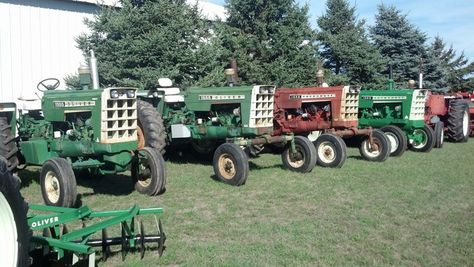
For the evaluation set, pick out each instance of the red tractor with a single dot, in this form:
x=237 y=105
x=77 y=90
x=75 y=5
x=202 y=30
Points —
x=450 y=114
x=326 y=115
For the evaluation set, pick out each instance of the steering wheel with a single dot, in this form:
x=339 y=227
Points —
x=43 y=86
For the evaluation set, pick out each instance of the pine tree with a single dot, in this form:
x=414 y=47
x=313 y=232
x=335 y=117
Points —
x=272 y=42
x=400 y=43
x=146 y=40
x=345 y=47
x=457 y=70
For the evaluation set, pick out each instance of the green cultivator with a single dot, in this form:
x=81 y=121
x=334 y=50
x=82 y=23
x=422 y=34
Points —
x=72 y=246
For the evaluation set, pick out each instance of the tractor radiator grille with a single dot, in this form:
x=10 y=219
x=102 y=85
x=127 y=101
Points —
x=119 y=116
x=349 y=104
x=418 y=102
x=261 y=110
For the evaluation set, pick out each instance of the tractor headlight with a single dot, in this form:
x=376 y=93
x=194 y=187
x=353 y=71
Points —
x=130 y=93
x=114 y=94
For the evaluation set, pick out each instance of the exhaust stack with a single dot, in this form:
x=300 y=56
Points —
x=94 y=71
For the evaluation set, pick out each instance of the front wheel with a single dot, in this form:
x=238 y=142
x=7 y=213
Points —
x=58 y=183
x=379 y=150
x=231 y=165
x=423 y=139
x=304 y=159
x=331 y=151
x=439 y=134
x=397 y=138
x=148 y=172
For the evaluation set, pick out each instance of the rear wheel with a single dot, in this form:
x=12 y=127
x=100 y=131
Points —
x=397 y=138
x=331 y=151
x=151 y=131
x=439 y=134
x=304 y=159
x=58 y=183
x=148 y=172
x=8 y=148
x=458 y=121
x=379 y=150
x=230 y=164
x=424 y=140
x=13 y=221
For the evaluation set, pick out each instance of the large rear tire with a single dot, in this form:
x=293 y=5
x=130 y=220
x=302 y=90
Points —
x=427 y=139
x=16 y=234
x=458 y=121
x=151 y=130
x=8 y=148
x=380 y=151
x=305 y=157
x=397 y=138
x=231 y=165
x=58 y=183
x=439 y=134
x=331 y=151
x=148 y=172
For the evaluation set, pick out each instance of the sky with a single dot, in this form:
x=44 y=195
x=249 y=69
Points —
x=453 y=20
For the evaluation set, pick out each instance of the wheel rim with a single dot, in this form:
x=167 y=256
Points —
x=465 y=124
x=144 y=171
x=51 y=184
x=392 y=138
x=140 y=138
x=9 y=254
x=326 y=152
x=424 y=139
x=296 y=160
x=371 y=151
x=226 y=166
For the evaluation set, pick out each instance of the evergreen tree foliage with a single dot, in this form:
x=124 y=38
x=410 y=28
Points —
x=272 y=42
x=458 y=72
x=345 y=47
x=400 y=43
x=145 y=40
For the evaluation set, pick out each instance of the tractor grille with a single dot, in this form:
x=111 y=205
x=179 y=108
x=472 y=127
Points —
x=349 y=104
x=119 y=116
x=418 y=102
x=261 y=109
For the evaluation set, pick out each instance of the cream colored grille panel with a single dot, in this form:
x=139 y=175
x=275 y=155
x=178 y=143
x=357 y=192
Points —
x=261 y=109
x=418 y=102
x=349 y=105
x=119 y=117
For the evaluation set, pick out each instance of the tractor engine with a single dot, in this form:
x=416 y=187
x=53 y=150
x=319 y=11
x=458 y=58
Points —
x=78 y=123
x=405 y=108
x=303 y=110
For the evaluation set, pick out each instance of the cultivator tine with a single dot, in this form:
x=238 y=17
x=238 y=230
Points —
x=161 y=240
x=105 y=246
x=124 y=243
x=142 y=240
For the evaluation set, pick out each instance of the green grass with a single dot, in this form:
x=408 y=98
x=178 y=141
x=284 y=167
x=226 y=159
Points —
x=408 y=211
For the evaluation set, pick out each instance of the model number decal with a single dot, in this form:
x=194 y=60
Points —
x=68 y=104
x=221 y=97
x=384 y=98
x=312 y=96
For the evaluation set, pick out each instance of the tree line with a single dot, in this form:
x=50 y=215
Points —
x=273 y=43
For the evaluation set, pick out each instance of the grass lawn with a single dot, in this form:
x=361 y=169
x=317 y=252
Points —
x=414 y=210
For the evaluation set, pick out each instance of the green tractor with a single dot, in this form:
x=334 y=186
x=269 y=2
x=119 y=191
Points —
x=399 y=113
x=230 y=123
x=86 y=131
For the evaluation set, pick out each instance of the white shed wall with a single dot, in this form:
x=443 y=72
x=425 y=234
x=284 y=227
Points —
x=37 y=42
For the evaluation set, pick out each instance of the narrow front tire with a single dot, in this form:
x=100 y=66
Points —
x=304 y=159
